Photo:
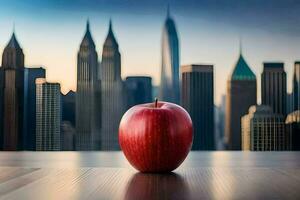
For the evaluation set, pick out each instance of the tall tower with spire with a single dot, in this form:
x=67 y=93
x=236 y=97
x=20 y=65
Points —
x=13 y=95
x=113 y=92
x=241 y=94
x=169 y=82
x=88 y=96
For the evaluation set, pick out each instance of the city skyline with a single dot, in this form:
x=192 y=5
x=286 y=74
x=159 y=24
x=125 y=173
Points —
x=52 y=41
x=241 y=94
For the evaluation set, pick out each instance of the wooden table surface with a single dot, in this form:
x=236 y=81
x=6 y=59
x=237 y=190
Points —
x=107 y=175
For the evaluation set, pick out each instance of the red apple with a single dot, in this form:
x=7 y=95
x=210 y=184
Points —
x=156 y=137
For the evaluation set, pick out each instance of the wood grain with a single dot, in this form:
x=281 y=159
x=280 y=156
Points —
x=216 y=181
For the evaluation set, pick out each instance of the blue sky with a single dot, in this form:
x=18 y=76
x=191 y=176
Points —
x=50 y=33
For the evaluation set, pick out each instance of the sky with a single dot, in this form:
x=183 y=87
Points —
x=209 y=32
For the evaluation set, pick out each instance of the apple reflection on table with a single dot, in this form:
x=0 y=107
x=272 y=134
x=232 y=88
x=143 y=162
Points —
x=148 y=186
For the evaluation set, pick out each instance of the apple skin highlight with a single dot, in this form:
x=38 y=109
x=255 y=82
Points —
x=156 y=137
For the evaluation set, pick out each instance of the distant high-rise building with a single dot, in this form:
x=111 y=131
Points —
x=289 y=103
x=113 y=92
x=198 y=99
x=88 y=96
x=30 y=75
x=13 y=102
x=241 y=94
x=263 y=130
x=220 y=123
x=293 y=130
x=67 y=136
x=68 y=107
x=169 y=82
x=68 y=130
x=139 y=90
x=48 y=115
x=273 y=87
x=296 y=86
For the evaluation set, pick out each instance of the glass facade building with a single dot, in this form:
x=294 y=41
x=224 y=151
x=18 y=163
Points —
x=263 y=130
x=88 y=96
x=241 y=94
x=13 y=95
x=273 y=87
x=169 y=82
x=30 y=75
x=113 y=92
x=48 y=116
x=198 y=99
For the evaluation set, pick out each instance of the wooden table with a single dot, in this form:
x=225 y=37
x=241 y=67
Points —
x=107 y=175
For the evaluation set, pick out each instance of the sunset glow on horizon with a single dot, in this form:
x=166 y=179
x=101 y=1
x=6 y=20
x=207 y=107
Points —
x=50 y=34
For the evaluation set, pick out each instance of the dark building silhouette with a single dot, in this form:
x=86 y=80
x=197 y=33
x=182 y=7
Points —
x=139 y=90
x=169 y=82
x=241 y=94
x=296 y=86
x=1 y=106
x=289 y=103
x=68 y=107
x=13 y=97
x=198 y=99
x=68 y=132
x=293 y=130
x=88 y=96
x=273 y=87
x=113 y=92
x=30 y=75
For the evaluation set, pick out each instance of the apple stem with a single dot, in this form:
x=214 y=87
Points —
x=156 y=100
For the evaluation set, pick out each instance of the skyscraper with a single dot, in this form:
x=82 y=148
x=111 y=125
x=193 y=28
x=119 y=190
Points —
x=68 y=130
x=88 y=96
x=30 y=75
x=169 y=82
x=289 y=103
x=139 y=90
x=113 y=92
x=198 y=99
x=263 y=130
x=68 y=107
x=68 y=133
x=48 y=115
x=241 y=94
x=293 y=130
x=273 y=87
x=13 y=107
x=296 y=86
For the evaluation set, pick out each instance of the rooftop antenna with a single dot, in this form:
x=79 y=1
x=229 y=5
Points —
x=168 y=11
x=88 y=24
x=241 y=45
x=110 y=24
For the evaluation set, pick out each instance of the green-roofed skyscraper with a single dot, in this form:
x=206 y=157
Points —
x=241 y=94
